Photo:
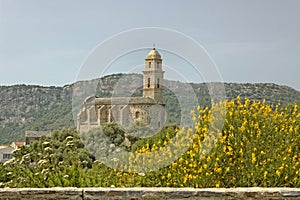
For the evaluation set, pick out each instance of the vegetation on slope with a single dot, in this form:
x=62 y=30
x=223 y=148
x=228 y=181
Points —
x=25 y=107
x=258 y=145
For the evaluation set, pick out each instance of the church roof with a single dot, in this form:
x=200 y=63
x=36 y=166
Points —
x=153 y=54
x=124 y=101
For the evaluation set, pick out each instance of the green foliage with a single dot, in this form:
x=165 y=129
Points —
x=115 y=134
x=57 y=161
x=3 y=175
x=258 y=146
x=165 y=134
x=64 y=160
x=28 y=107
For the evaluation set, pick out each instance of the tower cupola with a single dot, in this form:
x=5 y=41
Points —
x=153 y=76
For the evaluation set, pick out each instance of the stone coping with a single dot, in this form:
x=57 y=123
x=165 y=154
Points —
x=150 y=193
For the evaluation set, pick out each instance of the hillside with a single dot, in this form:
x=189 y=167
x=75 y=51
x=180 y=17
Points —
x=28 y=107
x=25 y=107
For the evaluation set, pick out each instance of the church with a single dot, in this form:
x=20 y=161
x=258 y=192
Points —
x=147 y=110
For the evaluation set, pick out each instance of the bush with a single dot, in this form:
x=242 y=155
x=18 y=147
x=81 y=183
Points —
x=258 y=145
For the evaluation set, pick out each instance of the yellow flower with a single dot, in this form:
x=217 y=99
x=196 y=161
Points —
x=227 y=169
x=218 y=170
x=208 y=159
x=200 y=170
x=278 y=173
x=241 y=152
x=253 y=158
x=265 y=174
x=169 y=175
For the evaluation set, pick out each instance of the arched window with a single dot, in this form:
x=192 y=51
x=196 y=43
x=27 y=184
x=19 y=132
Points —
x=149 y=64
x=157 y=65
x=148 y=82
x=157 y=83
x=137 y=114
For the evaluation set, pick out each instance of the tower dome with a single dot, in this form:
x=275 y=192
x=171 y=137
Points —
x=153 y=54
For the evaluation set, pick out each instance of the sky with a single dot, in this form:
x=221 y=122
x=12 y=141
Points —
x=46 y=42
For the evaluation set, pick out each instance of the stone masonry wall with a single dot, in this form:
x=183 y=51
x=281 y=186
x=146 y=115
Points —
x=149 y=193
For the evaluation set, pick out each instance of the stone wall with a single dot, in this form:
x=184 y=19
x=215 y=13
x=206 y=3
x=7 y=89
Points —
x=149 y=193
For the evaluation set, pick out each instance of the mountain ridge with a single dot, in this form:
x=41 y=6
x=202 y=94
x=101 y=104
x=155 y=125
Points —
x=35 y=107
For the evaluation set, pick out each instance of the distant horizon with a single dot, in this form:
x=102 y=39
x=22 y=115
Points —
x=68 y=84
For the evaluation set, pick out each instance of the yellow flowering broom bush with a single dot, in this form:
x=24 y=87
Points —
x=258 y=145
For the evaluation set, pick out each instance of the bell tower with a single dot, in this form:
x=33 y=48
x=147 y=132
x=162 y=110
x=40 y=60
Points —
x=153 y=77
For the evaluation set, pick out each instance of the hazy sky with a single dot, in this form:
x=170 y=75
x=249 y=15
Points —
x=45 y=42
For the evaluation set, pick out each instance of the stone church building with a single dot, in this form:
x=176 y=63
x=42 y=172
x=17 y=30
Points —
x=147 y=110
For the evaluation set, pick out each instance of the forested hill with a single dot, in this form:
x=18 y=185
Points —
x=28 y=107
